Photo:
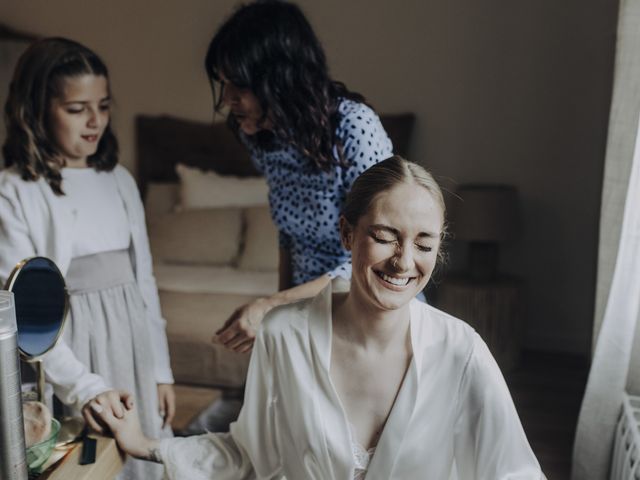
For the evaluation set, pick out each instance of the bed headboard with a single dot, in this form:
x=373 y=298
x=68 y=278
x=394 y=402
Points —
x=163 y=141
x=12 y=44
x=8 y=33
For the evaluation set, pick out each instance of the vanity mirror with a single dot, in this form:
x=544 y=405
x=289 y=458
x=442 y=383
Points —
x=33 y=310
x=41 y=304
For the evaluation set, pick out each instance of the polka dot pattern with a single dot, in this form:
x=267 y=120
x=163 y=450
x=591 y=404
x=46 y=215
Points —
x=306 y=202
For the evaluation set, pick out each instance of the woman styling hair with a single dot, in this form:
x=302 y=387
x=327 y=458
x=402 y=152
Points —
x=309 y=136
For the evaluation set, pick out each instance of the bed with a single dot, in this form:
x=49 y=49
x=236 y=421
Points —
x=210 y=257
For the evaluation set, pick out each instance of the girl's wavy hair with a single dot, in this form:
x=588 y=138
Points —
x=269 y=47
x=384 y=176
x=37 y=79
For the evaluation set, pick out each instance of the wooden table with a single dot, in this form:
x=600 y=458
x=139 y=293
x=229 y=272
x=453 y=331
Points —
x=109 y=461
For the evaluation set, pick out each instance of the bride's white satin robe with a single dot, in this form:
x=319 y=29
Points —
x=452 y=408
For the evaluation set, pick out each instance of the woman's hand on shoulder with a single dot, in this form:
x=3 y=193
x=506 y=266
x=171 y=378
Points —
x=115 y=402
x=239 y=331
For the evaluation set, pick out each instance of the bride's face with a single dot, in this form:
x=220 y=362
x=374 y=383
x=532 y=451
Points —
x=394 y=246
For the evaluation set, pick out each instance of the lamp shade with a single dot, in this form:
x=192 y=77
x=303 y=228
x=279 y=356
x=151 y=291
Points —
x=486 y=213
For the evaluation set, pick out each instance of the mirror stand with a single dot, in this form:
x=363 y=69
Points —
x=35 y=380
x=37 y=366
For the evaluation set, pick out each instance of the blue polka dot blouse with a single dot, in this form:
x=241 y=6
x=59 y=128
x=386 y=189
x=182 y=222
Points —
x=306 y=202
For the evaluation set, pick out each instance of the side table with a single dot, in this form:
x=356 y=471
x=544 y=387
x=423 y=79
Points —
x=493 y=308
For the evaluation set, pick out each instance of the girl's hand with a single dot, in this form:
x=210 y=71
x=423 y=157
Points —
x=113 y=401
x=166 y=403
x=239 y=331
x=128 y=434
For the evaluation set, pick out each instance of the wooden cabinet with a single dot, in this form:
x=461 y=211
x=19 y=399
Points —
x=493 y=308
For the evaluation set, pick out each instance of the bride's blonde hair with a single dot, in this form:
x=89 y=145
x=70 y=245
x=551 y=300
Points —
x=382 y=177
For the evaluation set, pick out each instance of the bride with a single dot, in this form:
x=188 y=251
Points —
x=370 y=382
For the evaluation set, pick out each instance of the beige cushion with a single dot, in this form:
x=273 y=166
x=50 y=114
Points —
x=214 y=279
x=200 y=189
x=161 y=198
x=192 y=320
x=204 y=237
x=260 y=242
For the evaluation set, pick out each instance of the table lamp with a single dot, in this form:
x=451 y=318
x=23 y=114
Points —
x=485 y=216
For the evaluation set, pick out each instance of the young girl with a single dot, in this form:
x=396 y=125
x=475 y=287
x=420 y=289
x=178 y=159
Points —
x=308 y=134
x=64 y=196
x=366 y=384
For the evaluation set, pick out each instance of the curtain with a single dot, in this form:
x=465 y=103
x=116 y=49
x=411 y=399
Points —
x=614 y=366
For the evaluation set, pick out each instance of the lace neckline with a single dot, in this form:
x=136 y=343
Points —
x=361 y=456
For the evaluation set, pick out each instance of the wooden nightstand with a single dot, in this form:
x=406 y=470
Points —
x=493 y=308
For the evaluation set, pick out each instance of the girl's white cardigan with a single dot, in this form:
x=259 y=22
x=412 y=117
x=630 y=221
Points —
x=33 y=221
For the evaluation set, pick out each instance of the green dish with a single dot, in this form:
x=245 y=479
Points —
x=39 y=453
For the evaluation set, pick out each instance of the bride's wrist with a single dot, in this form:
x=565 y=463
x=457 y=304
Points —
x=154 y=451
x=148 y=450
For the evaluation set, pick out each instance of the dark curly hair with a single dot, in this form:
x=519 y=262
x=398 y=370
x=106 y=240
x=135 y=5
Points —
x=37 y=79
x=269 y=47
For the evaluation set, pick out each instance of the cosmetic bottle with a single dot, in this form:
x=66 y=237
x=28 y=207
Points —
x=12 y=448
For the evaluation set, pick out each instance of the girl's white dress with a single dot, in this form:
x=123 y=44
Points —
x=96 y=236
x=453 y=416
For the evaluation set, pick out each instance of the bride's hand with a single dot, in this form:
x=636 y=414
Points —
x=129 y=435
x=116 y=401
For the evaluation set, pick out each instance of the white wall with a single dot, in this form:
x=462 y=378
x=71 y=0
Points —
x=514 y=92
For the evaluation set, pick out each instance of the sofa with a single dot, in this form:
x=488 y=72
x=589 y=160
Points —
x=212 y=239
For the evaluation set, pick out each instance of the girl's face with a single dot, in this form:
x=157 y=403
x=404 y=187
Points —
x=244 y=106
x=79 y=116
x=394 y=246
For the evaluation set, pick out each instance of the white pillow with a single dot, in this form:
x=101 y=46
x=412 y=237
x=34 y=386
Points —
x=200 y=189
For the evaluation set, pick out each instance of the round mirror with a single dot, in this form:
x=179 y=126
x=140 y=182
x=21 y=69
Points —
x=41 y=303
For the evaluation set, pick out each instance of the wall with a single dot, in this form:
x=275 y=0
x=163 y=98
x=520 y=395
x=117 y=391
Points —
x=512 y=92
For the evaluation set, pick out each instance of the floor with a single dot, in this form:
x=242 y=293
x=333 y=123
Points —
x=190 y=401
x=547 y=390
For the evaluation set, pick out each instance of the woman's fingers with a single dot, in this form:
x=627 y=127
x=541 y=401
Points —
x=126 y=399
x=229 y=338
x=106 y=406
x=245 y=346
x=166 y=403
x=236 y=341
x=112 y=401
x=88 y=413
x=237 y=337
x=228 y=335
x=171 y=411
x=230 y=321
x=239 y=330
